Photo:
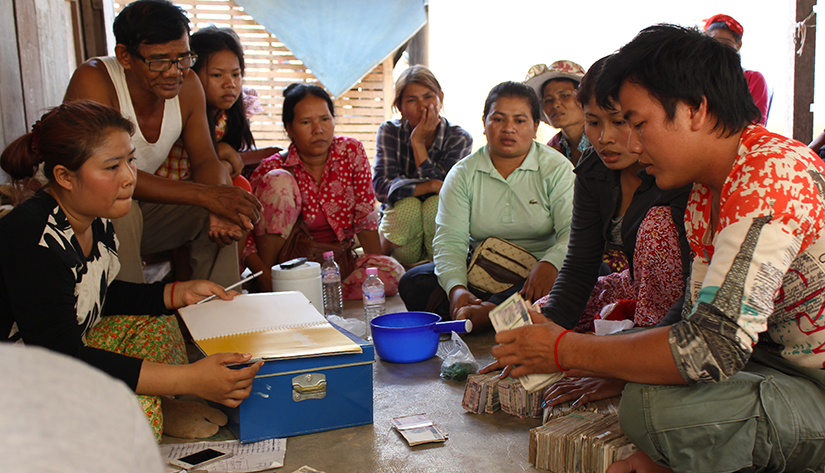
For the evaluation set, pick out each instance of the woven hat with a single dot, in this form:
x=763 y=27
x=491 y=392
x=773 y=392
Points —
x=541 y=73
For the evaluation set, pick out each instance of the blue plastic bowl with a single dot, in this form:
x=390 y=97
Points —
x=410 y=337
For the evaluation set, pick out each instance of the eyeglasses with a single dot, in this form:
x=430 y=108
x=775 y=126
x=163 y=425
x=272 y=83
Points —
x=163 y=65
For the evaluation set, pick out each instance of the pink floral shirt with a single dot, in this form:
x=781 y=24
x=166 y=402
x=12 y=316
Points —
x=345 y=196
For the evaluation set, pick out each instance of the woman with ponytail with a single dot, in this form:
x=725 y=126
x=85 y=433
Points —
x=58 y=262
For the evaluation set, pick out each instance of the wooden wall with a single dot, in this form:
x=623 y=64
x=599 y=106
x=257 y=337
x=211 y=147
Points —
x=39 y=50
x=34 y=61
x=12 y=112
x=270 y=67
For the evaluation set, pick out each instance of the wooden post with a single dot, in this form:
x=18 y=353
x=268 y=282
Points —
x=419 y=47
x=803 y=78
x=32 y=75
x=95 y=28
x=12 y=115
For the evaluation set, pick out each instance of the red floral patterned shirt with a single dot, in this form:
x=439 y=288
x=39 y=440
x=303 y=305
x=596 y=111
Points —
x=345 y=195
x=760 y=279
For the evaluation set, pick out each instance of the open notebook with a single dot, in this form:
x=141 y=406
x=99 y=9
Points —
x=268 y=325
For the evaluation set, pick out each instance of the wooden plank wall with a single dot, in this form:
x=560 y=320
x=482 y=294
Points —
x=34 y=62
x=270 y=67
x=12 y=111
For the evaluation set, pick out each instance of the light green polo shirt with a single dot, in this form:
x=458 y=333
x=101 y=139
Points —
x=531 y=208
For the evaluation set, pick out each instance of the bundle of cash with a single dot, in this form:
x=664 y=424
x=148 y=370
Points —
x=513 y=313
x=515 y=400
x=481 y=394
x=417 y=429
x=585 y=442
x=604 y=407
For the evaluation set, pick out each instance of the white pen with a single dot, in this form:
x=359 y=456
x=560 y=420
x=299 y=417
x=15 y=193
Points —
x=232 y=286
x=251 y=361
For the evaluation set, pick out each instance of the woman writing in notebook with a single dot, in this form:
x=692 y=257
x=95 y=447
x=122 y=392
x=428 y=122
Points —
x=59 y=262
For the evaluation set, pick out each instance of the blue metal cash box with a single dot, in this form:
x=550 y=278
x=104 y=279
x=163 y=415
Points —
x=303 y=395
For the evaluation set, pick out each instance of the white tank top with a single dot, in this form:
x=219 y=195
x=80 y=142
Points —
x=149 y=155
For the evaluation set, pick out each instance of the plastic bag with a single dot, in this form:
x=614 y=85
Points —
x=354 y=326
x=458 y=362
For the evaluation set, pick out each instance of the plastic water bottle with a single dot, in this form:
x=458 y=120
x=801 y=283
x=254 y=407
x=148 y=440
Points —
x=373 y=291
x=331 y=280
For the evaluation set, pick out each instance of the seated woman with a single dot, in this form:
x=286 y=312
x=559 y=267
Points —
x=556 y=88
x=412 y=157
x=324 y=180
x=618 y=210
x=59 y=261
x=514 y=189
x=726 y=30
x=617 y=207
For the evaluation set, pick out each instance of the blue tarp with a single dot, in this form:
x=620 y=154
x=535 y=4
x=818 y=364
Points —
x=339 y=40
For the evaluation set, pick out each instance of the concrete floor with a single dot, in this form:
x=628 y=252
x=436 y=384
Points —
x=477 y=443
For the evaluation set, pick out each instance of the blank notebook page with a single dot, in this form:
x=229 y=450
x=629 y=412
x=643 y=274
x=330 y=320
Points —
x=250 y=313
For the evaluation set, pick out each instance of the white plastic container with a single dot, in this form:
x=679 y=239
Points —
x=305 y=279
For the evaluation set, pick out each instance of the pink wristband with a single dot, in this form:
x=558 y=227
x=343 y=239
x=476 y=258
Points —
x=556 y=350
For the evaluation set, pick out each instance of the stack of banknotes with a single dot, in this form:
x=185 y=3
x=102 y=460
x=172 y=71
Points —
x=586 y=440
x=481 y=393
x=515 y=400
x=604 y=407
x=486 y=393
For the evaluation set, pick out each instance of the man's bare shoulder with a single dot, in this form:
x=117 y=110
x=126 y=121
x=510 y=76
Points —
x=91 y=81
x=191 y=94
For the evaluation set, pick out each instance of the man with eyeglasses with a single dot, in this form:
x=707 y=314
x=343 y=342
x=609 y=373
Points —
x=148 y=81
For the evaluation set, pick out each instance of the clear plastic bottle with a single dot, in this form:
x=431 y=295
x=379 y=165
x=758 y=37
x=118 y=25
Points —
x=331 y=281
x=373 y=291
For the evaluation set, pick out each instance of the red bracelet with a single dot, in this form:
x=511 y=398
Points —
x=172 y=295
x=556 y=350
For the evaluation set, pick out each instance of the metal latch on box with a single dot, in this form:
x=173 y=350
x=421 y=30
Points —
x=309 y=386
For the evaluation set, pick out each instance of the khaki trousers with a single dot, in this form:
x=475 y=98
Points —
x=152 y=228
x=769 y=417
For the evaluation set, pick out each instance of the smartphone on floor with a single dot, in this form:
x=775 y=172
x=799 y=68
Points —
x=198 y=459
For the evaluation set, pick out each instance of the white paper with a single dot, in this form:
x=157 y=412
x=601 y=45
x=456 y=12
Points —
x=533 y=382
x=606 y=327
x=246 y=457
x=249 y=313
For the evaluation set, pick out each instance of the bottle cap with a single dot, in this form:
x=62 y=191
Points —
x=372 y=271
x=328 y=254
